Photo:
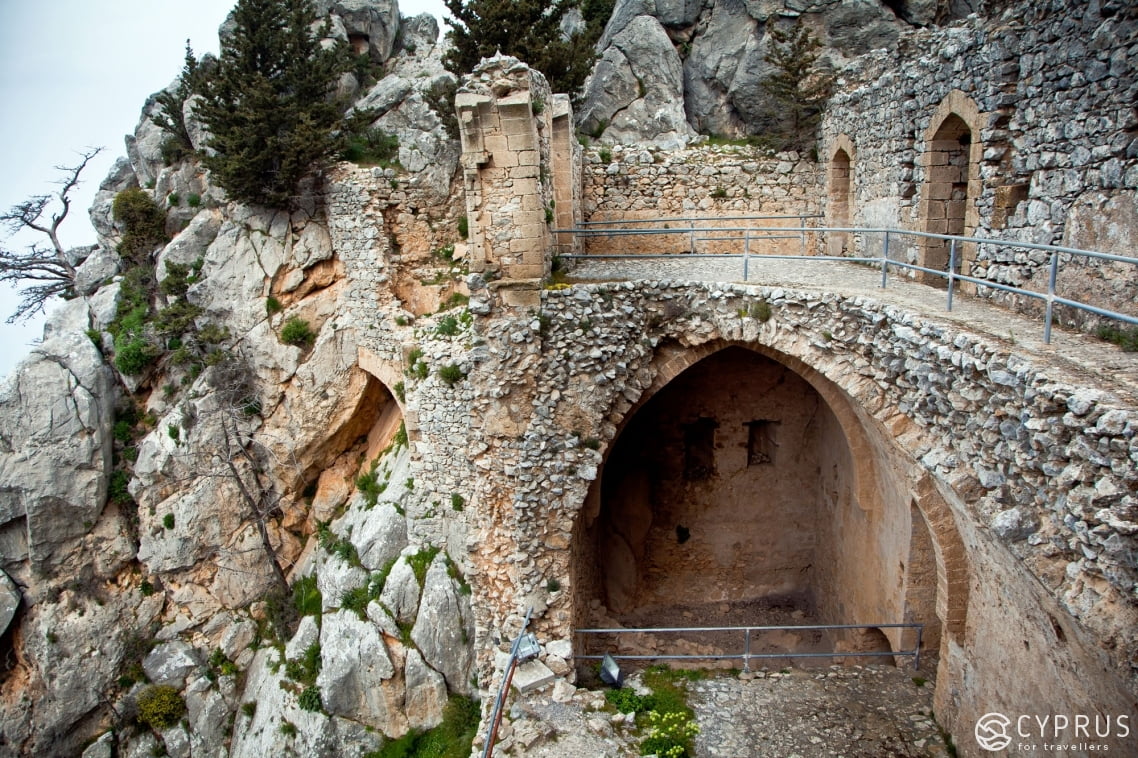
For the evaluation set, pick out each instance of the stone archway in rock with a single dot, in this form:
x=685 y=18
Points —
x=744 y=488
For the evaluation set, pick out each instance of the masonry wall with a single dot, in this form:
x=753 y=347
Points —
x=623 y=183
x=1012 y=463
x=1048 y=90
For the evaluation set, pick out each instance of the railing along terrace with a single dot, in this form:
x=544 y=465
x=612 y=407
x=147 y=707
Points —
x=756 y=234
x=748 y=632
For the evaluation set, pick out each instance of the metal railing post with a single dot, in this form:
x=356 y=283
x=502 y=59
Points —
x=885 y=262
x=503 y=690
x=951 y=271
x=1051 y=278
x=693 y=238
x=802 y=226
x=746 y=253
x=917 y=649
x=747 y=652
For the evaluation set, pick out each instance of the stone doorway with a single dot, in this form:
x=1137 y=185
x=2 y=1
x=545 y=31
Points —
x=839 y=196
x=951 y=164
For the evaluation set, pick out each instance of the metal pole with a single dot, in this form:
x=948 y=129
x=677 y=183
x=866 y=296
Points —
x=746 y=253
x=1051 y=296
x=693 y=238
x=951 y=271
x=802 y=226
x=917 y=651
x=747 y=652
x=496 y=716
x=885 y=262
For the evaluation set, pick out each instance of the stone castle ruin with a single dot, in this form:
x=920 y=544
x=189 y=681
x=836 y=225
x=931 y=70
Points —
x=617 y=452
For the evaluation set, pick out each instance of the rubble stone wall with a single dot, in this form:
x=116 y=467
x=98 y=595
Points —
x=1047 y=91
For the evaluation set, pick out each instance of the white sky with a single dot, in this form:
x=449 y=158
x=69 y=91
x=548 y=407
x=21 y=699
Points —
x=74 y=74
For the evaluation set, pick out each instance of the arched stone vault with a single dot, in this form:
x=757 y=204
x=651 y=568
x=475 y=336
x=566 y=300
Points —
x=870 y=452
x=972 y=432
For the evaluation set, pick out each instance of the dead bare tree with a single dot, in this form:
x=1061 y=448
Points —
x=42 y=271
x=241 y=457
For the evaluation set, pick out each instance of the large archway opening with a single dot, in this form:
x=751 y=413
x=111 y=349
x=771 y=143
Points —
x=729 y=498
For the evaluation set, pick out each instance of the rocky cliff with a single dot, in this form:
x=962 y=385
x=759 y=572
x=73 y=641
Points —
x=669 y=71
x=141 y=513
x=246 y=548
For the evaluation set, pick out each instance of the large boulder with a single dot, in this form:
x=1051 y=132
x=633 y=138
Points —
x=635 y=94
x=56 y=412
x=444 y=628
x=370 y=24
x=711 y=67
x=357 y=677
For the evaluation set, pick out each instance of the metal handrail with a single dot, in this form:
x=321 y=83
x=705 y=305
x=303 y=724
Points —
x=747 y=655
x=1050 y=298
x=503 y=688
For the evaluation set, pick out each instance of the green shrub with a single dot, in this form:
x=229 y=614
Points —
x=464 y=227
x=168 y=521
x=305 y=669
x=249 y=708
x=143 y=222
x=448 y=326
x=626 y=700
x=450 y=739
x=117 y=491
x=372 y=147
x=421 y=561
x=296 y=331
x=174 y=199
x=370 y=486
x=133 y=355
x=400 y=391
x=273 y=306
x=457 y=502
x=401 y=435
x=605 y=155
x=309 y=699
x=761 y=311
x=306 y=596
x=160 y=706
x=451 y=373
x=455 y=300
x=356 y=599
x=288 y=729
x=193 y=200
x=1127 y=339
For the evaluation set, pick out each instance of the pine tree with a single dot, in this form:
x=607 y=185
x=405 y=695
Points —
x=798 y=86
x=526 y=29
x=171 y=110
x=268 y=106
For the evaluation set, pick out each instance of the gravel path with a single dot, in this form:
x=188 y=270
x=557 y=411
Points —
x=838 y=711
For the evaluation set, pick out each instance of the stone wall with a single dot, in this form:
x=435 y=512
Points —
x=1017 y=470
x=1044 y=96
x=623 y=183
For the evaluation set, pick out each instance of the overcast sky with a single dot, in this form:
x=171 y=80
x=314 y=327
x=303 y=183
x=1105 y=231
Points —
x=74 y=74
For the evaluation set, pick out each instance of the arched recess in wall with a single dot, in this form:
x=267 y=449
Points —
x=356 y=437
x=744 y=476
x=951 y=162
x=839 y=181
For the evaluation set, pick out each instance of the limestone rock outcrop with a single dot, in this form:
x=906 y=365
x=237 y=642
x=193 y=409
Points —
x=721 y=49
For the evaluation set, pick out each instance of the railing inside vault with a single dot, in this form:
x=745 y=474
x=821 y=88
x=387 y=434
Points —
x=757 y=234
x=749 y=633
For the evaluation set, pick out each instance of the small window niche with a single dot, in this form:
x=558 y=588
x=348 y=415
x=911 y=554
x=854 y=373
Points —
x=699 y=449
x=761 y=442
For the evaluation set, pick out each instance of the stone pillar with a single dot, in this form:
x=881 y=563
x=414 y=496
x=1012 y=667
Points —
x=567 y=176
x=505 y=118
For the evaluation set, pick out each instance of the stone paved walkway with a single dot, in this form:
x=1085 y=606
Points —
x=838 y=711
x=1084 y=356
